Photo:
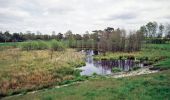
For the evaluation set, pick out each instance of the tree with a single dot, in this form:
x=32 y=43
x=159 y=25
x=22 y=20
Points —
x=16 y=37
x=161 y=29
x=70 y=37
x=167 y=31
x=59 y=36
x=144 y=31
x=7 y=36
x=2 y=39
x=151 y=28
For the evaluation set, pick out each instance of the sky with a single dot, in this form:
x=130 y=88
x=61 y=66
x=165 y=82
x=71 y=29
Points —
x=80 y=16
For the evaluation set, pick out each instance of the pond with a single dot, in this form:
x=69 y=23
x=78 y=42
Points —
x=104 y=67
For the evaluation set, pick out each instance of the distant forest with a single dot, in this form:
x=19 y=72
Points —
x=109 y=39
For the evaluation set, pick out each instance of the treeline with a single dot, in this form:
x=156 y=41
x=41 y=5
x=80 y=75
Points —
x=156 y=33
x=109 y=39
x=151 y=30
x=20 y=37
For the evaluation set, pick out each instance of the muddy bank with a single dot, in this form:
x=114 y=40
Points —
x=134 y=73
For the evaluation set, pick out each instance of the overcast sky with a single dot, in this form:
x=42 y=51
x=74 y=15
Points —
x=80 y=15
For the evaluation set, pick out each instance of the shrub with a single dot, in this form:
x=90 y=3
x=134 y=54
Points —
x=57 y=46
x=94 y=74
x=42 y=45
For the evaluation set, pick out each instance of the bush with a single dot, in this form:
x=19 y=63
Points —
x=42 y=45
x=94 y=74
x=57 y=46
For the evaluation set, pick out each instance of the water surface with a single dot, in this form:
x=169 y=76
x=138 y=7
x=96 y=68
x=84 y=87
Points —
x=104 y=67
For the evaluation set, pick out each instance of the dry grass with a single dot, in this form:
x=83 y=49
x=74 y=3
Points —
x=31 y=69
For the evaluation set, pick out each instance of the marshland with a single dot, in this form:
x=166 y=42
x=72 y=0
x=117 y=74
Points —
x=84 y=50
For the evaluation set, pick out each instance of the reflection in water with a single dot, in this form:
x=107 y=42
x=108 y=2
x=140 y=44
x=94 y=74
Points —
x=104 y=67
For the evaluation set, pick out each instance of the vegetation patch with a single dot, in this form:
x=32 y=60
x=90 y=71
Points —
x=115 y=69
x=136 y=68
x=26 y=71
x=163 y=65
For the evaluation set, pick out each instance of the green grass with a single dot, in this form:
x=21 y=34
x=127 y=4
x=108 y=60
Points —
x=163 y=65
x=158 y=46
x=145 y=87
x=9 y=44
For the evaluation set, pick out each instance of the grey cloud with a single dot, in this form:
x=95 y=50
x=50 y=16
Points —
x=167 y=17
x=60 y=10
x=122 y=16
x=6 y=3
x=79 y=15
x=32 y=8
x=9 y=19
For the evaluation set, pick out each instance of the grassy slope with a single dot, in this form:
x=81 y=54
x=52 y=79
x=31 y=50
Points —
x=165 y=64
x=145 y=87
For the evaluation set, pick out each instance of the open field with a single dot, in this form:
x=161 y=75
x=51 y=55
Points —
x=21 y=70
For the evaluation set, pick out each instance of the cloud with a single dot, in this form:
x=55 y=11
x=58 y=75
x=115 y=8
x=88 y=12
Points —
x=122 y=16
x=80 y=15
